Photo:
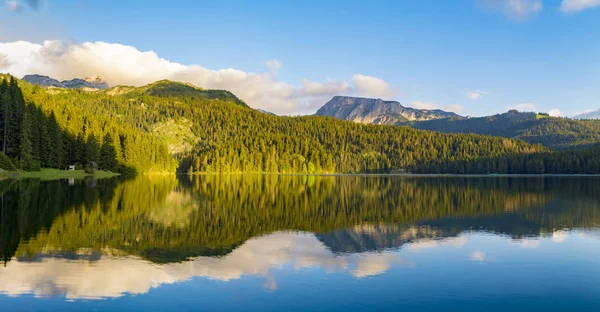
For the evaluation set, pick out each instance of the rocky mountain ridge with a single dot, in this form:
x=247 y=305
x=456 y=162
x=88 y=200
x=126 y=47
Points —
x=377 y=111
x=95 y=82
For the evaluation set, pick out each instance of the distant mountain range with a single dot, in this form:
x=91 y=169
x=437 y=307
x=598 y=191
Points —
x=589 y=115
x=377 y=111
x=553 y=132
x=96 y=82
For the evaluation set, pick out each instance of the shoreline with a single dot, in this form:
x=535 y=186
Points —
x=56 y=174
x=416 y=175
x=47 y=174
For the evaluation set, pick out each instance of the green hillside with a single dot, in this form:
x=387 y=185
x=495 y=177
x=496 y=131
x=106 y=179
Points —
x=168 y=126
x=552 y=132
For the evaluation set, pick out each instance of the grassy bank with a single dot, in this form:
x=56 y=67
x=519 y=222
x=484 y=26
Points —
x=54 y=174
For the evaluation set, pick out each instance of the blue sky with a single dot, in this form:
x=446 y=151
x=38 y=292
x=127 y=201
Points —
x=529 y=54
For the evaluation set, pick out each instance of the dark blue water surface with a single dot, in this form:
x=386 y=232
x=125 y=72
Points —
x=301 y=243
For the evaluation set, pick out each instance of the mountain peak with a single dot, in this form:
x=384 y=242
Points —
x=42 y=80
x=376 y=111
x=95 y=82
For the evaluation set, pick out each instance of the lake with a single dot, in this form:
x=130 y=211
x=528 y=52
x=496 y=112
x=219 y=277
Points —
x=301 y=243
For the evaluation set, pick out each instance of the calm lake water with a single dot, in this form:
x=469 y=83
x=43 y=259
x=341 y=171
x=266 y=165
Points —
x=301 y=243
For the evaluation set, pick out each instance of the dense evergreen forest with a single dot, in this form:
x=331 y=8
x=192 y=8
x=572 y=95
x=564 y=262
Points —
x=585 y=161
x=553 y=132
x=36 y=132
x=168 y=126
x=165 y=218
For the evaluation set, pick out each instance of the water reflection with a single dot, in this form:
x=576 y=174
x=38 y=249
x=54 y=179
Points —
x=88 y=276
x=116 y=237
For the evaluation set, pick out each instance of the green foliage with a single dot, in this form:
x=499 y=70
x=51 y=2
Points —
x=222 y=136
x=584 y=161
x=6 y=163
x=552 y=132
x=47 y=174
x=89 y=169
x=166 y=88
x=55 y=132
x=108 y=154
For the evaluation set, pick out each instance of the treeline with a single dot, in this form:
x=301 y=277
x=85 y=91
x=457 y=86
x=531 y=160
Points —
x=585 y=161
x=553 y=132
x=254 y=142
x=223 y=135
x=35 y=132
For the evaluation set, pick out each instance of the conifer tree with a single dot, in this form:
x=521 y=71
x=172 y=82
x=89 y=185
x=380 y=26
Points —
x=56 y=155
x=108 y=155
x=25 y=147
x=91 y=149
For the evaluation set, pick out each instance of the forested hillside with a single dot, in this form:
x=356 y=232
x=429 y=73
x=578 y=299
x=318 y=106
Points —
x=552 y=132
x=166 y=126
x=583 y=161
x=40 y=129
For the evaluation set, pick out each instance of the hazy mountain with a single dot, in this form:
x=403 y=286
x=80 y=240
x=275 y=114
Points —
x=553 y=132
x=43 y=81
x=265 y=112
x=377 y=111
x=96 y=82
x=589 y=115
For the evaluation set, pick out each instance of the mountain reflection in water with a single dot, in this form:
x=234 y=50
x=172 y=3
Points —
x=125 y=236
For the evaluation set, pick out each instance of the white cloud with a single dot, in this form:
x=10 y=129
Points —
x=3 y=61
x=524 y=107
x=529 y=243
x=555 y=112
x=573 y=6
x=273 y=66
x=14 y=5
x=433 y=243
x=111 y=277
x=559 y=236
x=371 y=86
x=515 y=9
x=126 y=65
x=457 y=108
x=310 y=88
x=370 y=264
x=480 y=256
x=476 y=94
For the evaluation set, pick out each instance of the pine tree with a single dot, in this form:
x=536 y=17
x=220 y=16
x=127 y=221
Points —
x=56 y=155
x=91 y=150
x=28 y=163
x=14 y=115
x=4 y=106
x=108 y=154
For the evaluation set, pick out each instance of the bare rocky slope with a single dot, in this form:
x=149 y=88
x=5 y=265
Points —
x=377 y=111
